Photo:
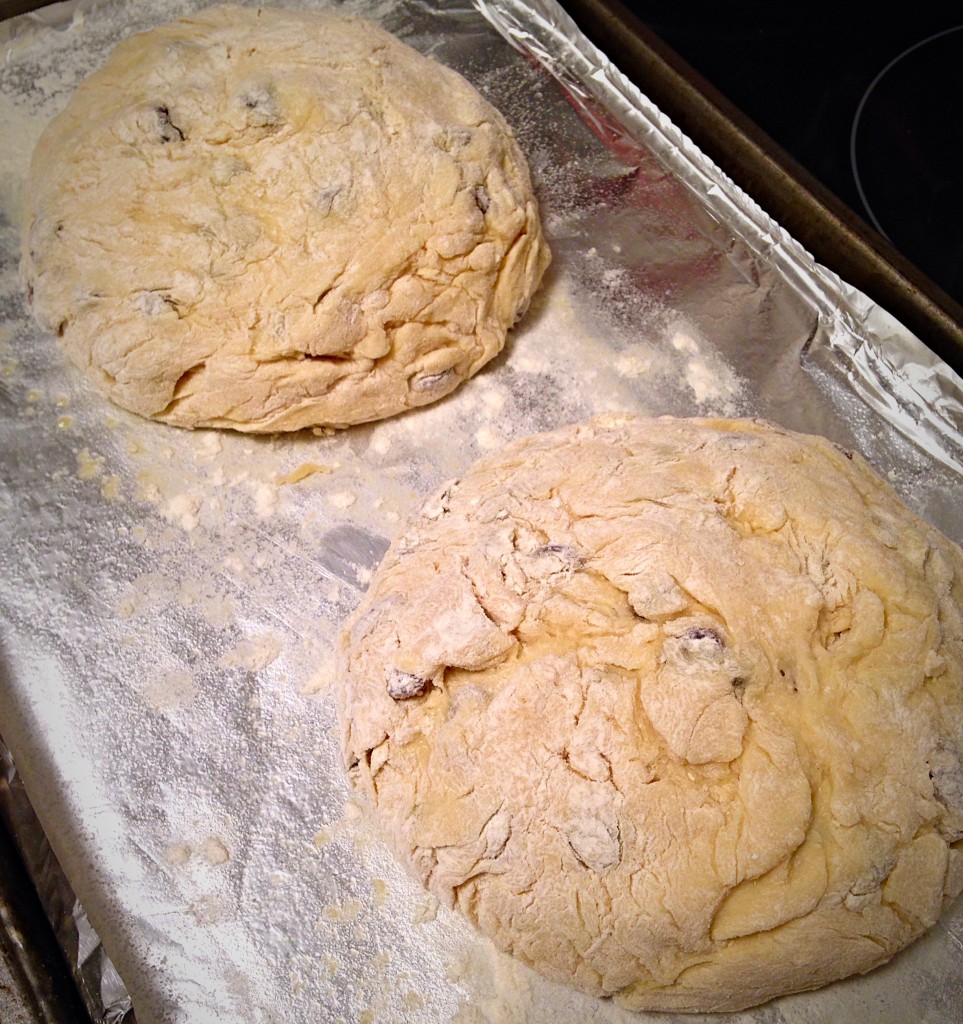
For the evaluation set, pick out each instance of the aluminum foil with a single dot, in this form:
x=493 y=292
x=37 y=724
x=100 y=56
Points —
x=100 y=987
x=170 y=599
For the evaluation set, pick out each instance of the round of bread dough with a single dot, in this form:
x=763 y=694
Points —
x=672 y=710
x=268 y=220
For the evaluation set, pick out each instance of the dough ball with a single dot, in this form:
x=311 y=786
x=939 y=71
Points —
x=672 y=710
x=268 y=220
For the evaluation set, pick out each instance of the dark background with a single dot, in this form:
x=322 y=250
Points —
x=801 y=70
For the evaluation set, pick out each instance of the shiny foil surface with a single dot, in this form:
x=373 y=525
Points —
x=170 y=600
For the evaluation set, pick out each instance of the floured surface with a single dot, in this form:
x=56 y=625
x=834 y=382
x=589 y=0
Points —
x=171 y=600
x=670 y=709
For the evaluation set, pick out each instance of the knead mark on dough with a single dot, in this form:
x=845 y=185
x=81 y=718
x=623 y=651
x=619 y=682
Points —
x=156 y=302
x=448 y=626
x=569 y=557
x=431 y=381
x=866 y=891
x=183 y=386
x=946 y=774
x=596 y=845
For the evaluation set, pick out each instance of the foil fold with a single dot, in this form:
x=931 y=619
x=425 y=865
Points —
x=883 y=362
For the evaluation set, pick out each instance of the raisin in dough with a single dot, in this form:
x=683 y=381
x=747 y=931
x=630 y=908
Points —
x=268 y=220
x=670 y=709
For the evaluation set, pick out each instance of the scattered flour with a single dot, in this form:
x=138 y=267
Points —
x=342 y=499
x=253 y=654
x=182 y=510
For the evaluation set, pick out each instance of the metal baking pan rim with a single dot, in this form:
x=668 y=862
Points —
x=827 y=228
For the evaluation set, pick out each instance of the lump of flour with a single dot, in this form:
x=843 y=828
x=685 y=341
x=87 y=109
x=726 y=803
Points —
x=670 y=709
x=267 y=220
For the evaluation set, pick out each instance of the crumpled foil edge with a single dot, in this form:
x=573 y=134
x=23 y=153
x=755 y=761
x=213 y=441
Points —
x=100 y=986
x=860 y=344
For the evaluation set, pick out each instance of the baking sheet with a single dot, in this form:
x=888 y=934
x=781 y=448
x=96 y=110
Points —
x=170 y=599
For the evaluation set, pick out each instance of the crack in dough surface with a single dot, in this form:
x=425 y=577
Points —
x=670 y=709
x=267 y=220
